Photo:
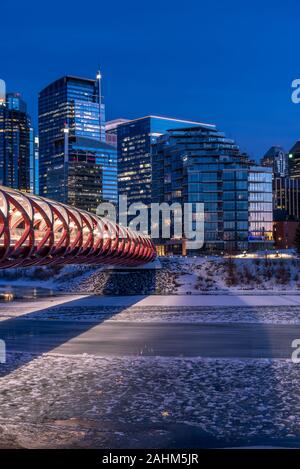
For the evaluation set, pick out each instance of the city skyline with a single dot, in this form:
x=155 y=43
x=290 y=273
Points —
x=255 y=154
x=149 y=232
x=190 y=65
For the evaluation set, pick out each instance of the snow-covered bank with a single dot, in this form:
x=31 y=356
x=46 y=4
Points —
x=192 y=275
x=196 y=275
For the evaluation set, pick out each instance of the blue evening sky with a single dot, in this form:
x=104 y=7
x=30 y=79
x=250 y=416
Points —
x=227 y=62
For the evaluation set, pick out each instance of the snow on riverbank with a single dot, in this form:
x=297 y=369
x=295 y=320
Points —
x=178 y=275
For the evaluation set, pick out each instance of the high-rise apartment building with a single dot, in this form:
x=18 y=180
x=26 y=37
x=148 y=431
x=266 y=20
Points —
x=260 y=219
x=76 y=164
x=135 y=139
x=16 y=142
x=199 y=164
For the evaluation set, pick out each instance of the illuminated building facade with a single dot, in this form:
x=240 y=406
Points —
x=199 y=164
x=286 y=186
x=135 y=139
x=294 y=161
x=16 y=142
x=260 y=207
x=286 y=198
x=104 y=156
x=73 y=154
x=276 y=158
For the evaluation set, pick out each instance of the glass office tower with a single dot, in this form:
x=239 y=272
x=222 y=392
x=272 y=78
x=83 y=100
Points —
x=294 y=161
x=135 y=139
x=286 y=182
x=199 y=164
x=276 y=158
x=72 y=144
x=16 y=142
x=105 y=156
x=286 y=198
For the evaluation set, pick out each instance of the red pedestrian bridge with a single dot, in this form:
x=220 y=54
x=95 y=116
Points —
x=39 y=231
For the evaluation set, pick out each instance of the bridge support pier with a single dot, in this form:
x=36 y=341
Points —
x=153 y=265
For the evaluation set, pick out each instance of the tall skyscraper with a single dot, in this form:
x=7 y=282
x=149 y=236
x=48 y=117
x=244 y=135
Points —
x=286 y=198
x=286 y=182
x=76 y=164
x=199 y=164
x=286 y=214
x=276 y=158
x=294 y=160
x=16 y=142
x=135 y=139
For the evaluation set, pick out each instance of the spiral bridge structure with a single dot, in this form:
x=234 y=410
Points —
x=39 y=231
